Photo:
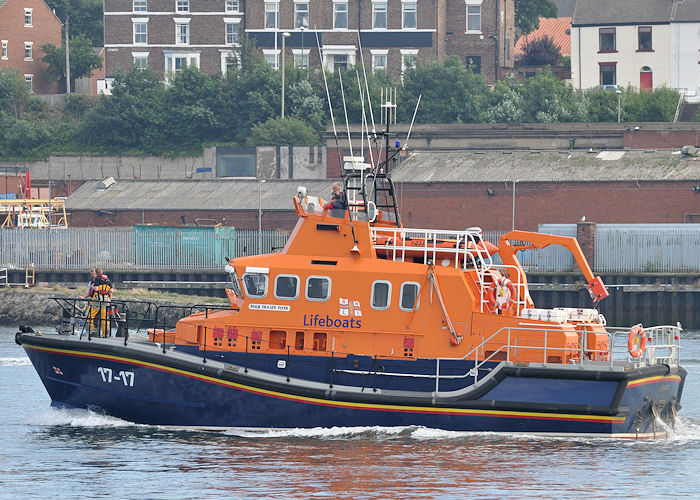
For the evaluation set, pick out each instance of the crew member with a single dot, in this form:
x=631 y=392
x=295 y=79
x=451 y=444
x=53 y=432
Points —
x=337 y=198
x=102 y=294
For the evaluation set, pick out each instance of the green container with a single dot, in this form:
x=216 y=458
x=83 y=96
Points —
x=184 y=247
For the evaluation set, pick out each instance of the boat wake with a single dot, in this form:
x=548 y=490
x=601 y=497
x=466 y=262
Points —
x=15 y=361
x=78 y=418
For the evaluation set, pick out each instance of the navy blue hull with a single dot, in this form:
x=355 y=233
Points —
x=158 y=389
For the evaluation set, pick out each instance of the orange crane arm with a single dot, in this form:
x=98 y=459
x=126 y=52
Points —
x=507 y=251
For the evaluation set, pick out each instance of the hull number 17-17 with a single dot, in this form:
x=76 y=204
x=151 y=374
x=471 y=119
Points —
x=127 y=378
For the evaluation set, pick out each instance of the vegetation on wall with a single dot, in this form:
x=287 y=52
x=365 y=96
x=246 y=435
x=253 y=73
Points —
x=146 y=116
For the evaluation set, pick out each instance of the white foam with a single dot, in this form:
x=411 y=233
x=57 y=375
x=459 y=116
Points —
x=320 y=432
x=77 y=418
x=15 y=361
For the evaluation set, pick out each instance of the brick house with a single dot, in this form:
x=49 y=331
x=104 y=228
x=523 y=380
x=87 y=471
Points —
x=166 y=34
x=26 y=25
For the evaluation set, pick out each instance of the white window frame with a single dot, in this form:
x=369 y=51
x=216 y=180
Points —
x=330 y=288
x=232 y=6
x=272 y=52
x=388 y=303
x=172 y=55
x=137 y=21
x=139 y=6
x=29 y=79
x=296 y=295
x=416 y=306
x=380 y=52
x=225 y=54
x=140 y=55
x=301 y=55
x=182 y=37
x=29 y=46
x=297 y=3
x=267 y=285
x=405 y=3
x=28 y=14
x=473 y=3
x=230 y=21
x=336 y=10
x=338 y=50
x=276 y=5
x=3 y=51
x=182 y=5
x=376 y=10
x=404 y=54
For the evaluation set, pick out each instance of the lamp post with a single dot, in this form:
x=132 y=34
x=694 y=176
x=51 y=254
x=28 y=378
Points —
x=260 y=183
x=68 y=174
x=284 y=37
x=302 y=28
x=619 y=96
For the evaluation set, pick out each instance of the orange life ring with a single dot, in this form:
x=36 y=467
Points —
x=495 y=294
x=636 y=347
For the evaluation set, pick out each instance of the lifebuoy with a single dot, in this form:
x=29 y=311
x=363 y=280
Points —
x=637 y=341
x=497 y=295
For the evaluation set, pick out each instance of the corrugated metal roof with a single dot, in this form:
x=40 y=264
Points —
x=608 y=13
x=546 y=166
x=556 y=28
x=219 y=194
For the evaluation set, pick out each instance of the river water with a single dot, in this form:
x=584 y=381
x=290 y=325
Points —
x=52 y=453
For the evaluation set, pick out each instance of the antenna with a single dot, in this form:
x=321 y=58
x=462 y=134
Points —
x=405 y=144
x=364 y=72
x=328 y=96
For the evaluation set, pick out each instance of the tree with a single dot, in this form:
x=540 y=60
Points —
x=85 y=18
x=83 y=59
x=13 y=92
x=540 y=52
x=283 y=132
x=528 y=13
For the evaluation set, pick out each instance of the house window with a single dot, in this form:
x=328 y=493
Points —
x=301 y=15
x=230 y=163
x=255 y=285
x=182 y=34
x=175 y=62
x=140 y=59
x=28 y=18
x=28 y=51
x=271 y=14
x=340 y=15
x=379 y=15
x=318 y=288
x=409 y=59
x=410 y=15
x=379 y=60
x=286 y=287
x=340 y=61
x=473 y=16
x=140 y=33
x=607 y=40
x=272 y=57
x=338 y=56
x=409 y=296
x=608 y=73
x=182 y=6
x=474 y=64
x=232 y=6
x=301 y=60
x=3 y=54
x=644 y=38
x=381 y=295
x=29 y=82
x=140 y=6
x=232 y=33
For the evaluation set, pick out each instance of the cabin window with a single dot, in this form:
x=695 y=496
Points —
x=278 y=339
x=409 y=296
x=299 y=341
x=319 y=341
x=287 y=287
x=381 y=295
x=255 y=285
x=318 y=288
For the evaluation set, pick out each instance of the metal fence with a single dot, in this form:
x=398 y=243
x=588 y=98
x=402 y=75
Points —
x=618 y=248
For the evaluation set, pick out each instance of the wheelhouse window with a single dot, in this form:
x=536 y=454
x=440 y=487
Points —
x=644 y=39
x=608 y=73
x=379 y=15
x=271 y=15
x=381 y=295
x=473 y=16
x=301 y=15
x=286 y=287
x=340 y=15
x=410 y=15
x=409 y=296
x=607 y=40
x=318 y=288
x=255 y=285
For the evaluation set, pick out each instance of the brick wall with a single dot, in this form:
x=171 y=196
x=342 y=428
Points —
x=645 y=139
x=45 y=29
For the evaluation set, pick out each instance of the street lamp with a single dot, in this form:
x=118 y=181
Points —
x=284 y=37
x=260 y=183
x=619 y=96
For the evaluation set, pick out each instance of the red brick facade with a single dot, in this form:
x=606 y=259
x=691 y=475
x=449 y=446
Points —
x=19 y=39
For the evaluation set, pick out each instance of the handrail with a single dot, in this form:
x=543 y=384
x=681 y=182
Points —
x=681 y=98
